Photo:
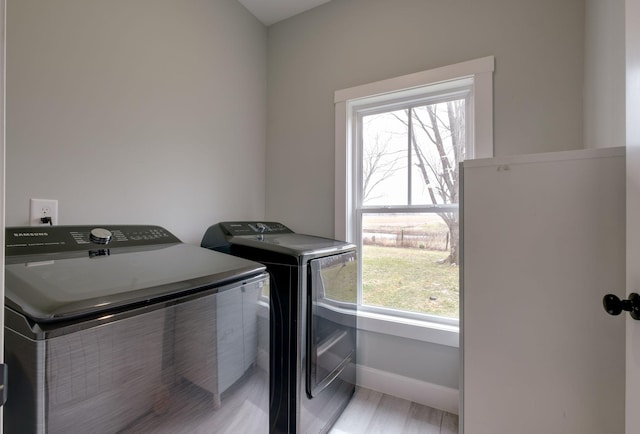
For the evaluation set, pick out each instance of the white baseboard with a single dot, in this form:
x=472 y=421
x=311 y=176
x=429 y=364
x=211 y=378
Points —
x=429 y=394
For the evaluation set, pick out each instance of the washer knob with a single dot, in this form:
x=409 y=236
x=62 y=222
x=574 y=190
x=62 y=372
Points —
x=100 y=235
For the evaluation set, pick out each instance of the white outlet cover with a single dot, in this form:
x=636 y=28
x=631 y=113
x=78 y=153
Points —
x=43 y=208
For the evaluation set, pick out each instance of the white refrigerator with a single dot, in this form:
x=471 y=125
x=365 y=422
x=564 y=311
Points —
x=543 y=240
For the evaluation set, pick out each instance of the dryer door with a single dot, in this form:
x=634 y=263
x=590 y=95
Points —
x=331 y=316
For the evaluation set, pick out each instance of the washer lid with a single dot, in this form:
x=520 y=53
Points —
x=58 y=287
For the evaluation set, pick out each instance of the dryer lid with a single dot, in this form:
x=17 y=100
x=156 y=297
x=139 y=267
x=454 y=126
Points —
x=293 y=244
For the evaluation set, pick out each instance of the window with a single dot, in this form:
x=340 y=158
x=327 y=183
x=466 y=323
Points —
x=398 y=145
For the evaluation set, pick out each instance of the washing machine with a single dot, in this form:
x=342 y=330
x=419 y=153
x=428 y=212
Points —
x=313 y=319
x=126 y=329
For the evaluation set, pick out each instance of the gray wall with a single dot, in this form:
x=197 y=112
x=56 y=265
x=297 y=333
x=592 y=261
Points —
x=604 y=74
x=538 y=81
x=431 y=363
x=145 y=111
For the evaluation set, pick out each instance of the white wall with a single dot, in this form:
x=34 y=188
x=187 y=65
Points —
x=604 y=74
x=538 y=81
x=136 y=111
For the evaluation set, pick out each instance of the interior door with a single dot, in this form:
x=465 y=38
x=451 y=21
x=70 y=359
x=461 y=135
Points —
x=542 y=235
x=632 y=17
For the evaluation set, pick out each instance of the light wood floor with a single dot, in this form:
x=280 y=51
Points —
x=371 y=412
x=244 y=409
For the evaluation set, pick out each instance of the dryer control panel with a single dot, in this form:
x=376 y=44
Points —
x=254 y=228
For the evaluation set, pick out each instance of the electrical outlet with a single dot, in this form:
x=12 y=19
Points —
x=43 y=208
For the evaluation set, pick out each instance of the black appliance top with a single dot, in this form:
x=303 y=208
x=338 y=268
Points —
x=59 y=273
x=270 y=236
x=254 y=228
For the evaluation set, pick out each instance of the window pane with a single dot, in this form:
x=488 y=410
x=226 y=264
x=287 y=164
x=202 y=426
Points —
x=384 y=158
x=410 y=157
x=437 y=147
x=409 y=262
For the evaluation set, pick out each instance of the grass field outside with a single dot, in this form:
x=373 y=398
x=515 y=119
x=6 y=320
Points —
x=410 y=279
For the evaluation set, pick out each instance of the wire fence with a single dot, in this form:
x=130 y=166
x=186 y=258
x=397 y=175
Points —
x=407 y=238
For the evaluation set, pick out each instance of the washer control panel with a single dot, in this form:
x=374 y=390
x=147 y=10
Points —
x=35 y=240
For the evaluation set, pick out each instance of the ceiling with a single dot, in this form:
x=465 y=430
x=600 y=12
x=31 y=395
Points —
x=272 y=11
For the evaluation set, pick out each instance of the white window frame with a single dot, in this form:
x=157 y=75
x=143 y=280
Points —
x=478 y=74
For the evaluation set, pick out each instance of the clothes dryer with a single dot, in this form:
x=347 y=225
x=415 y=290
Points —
x=313 y=319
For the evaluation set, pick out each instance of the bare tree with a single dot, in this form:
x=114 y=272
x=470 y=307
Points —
x=447 y=135
x=437 y=153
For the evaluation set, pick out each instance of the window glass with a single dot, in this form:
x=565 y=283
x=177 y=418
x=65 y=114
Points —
x=409 y=195
x=384 y=158
x=404 y=264
x=438 y=145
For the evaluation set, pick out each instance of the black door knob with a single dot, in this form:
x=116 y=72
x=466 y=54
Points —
x=614 y=306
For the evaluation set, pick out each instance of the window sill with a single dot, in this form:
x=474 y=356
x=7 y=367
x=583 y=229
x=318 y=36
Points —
x=420 y=330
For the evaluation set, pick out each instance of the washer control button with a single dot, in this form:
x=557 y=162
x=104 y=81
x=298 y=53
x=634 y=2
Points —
x=100 y=235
